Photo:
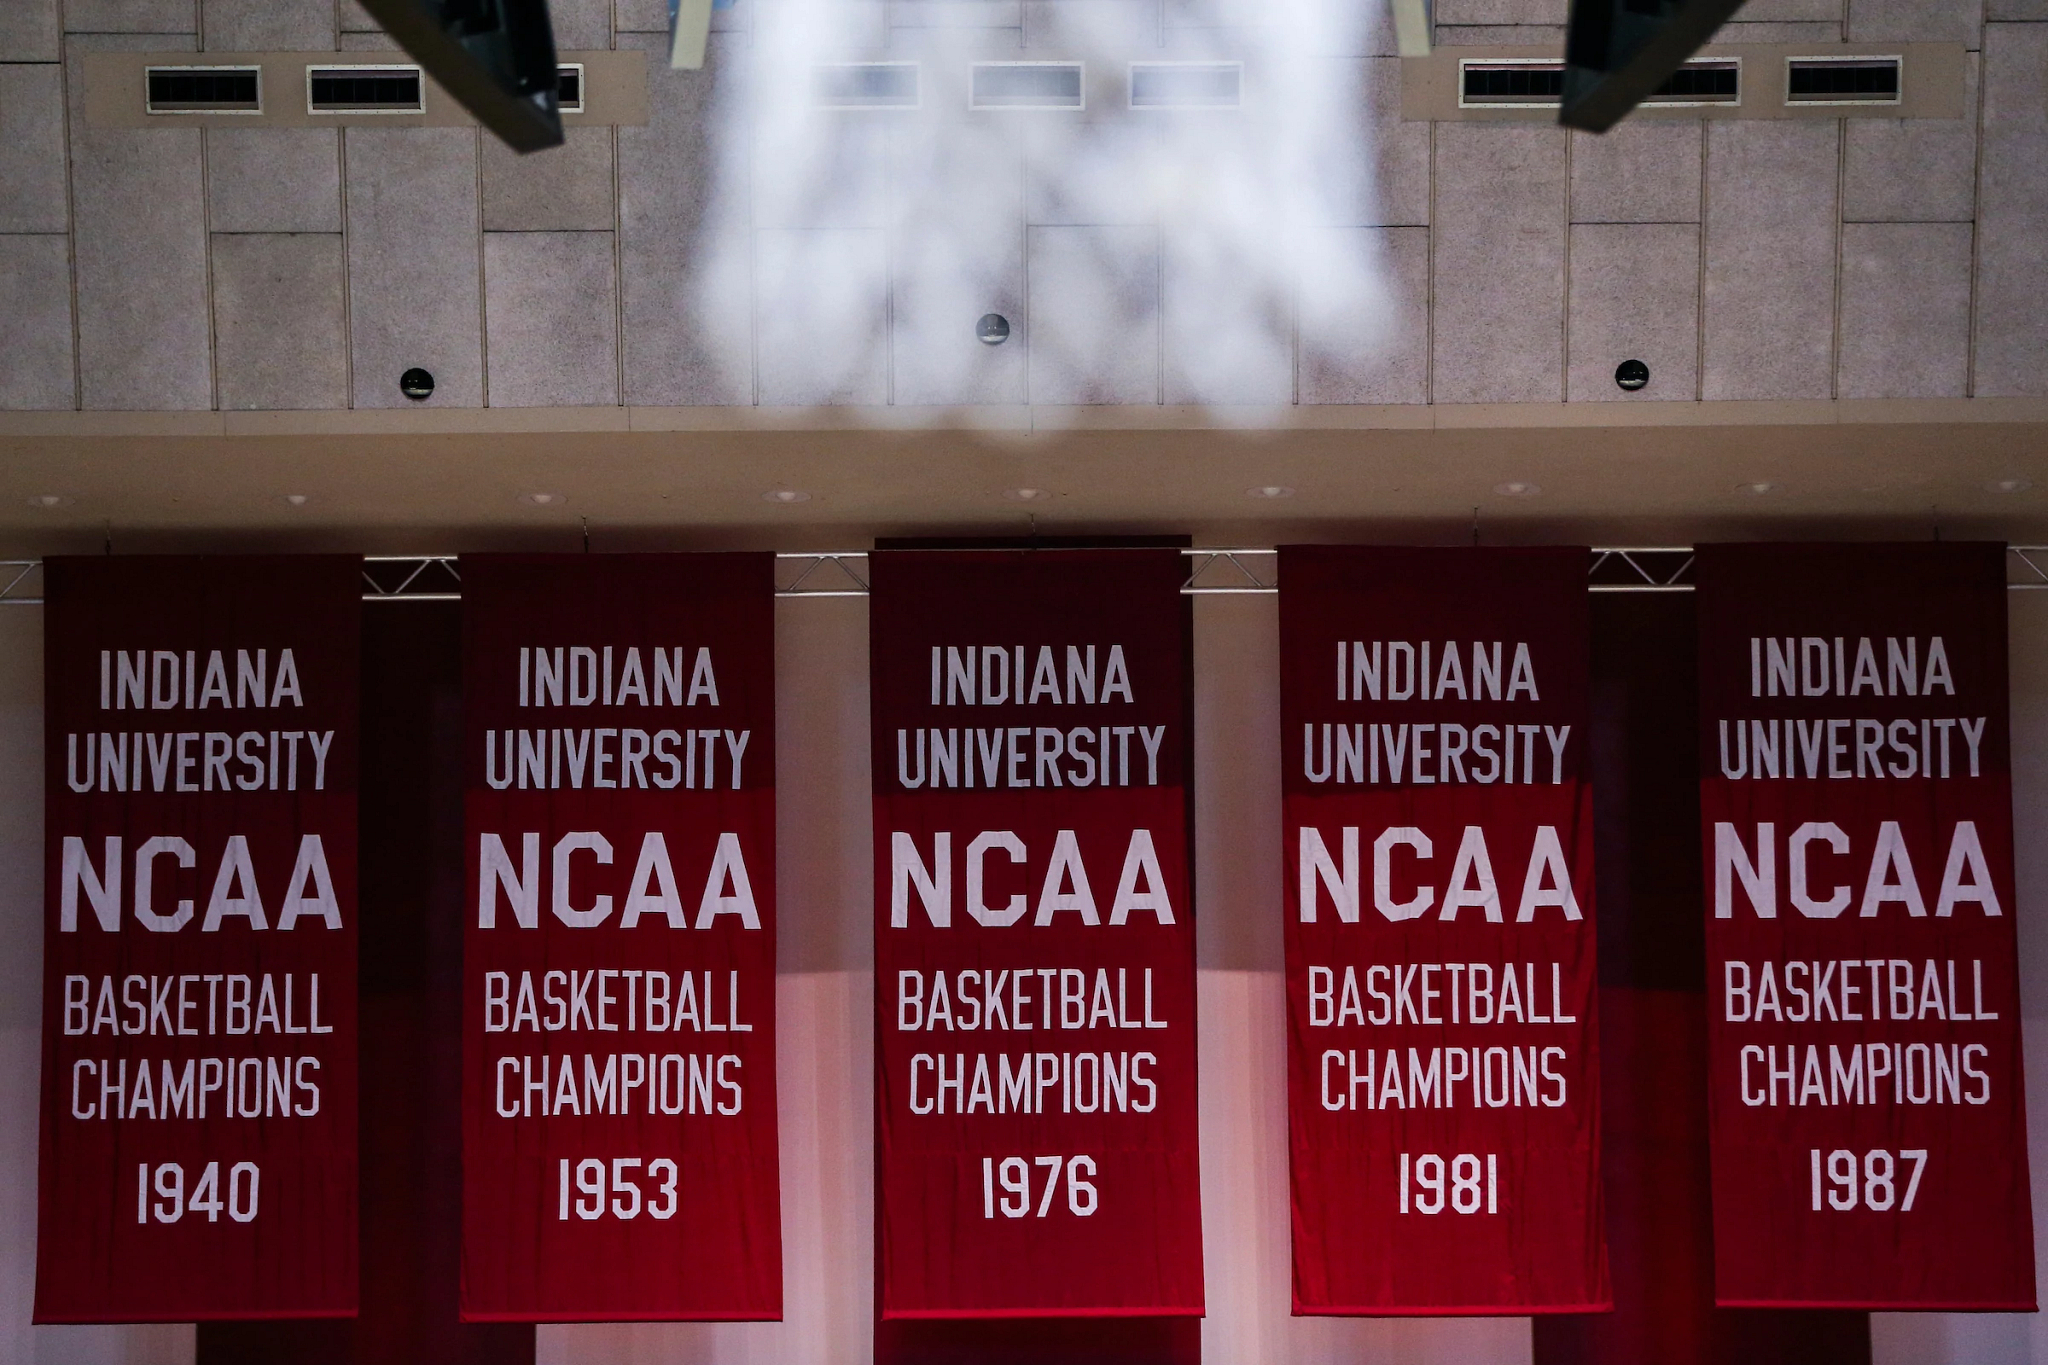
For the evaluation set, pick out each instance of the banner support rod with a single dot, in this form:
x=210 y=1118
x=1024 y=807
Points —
x=1222 y=571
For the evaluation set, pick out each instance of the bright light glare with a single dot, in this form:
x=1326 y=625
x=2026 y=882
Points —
x=1145 y=255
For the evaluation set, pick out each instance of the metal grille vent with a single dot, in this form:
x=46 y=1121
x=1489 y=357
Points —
x=1510 y=84
x=1026 y=85
x=1842 y=80
x=205 y=90
x=363 y=89
x=1187 y=85
x=1701 y=82
x=1537 y=83
x=866 y=85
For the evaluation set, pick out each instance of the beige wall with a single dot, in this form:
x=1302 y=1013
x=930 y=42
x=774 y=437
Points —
x=185 y=268
x=825 y=1016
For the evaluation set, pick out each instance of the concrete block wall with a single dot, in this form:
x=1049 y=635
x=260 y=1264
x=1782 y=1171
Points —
x=176 y=268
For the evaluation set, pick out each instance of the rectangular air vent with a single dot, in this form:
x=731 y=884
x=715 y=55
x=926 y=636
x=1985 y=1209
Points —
x=1842 y=80
x=569 y=88
x=1026 y=85
x=1707 y=81
x=1186 y=85
x=865 y=85
x=1510 y=83
x=205 y=90
x=1538 y=83
x=363 y=90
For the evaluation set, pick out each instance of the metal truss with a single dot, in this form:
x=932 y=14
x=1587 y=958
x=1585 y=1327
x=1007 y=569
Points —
x=1241 y=571
x=1640 y=568
x=411 y=578
x=2023 y=566
x=23 y=579
x=822 y=575
x=1212 y=572
x=1219 y=573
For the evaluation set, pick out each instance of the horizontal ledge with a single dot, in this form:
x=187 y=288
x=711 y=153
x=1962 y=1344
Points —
x=1039 y=419
x=1599 y=557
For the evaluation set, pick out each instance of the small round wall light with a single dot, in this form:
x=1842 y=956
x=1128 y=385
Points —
x=785 y=497
x=1631 y=375
x=992 y=330
x=1270 y=491
x=45 y=502
x=1516 y=488
x=416 y=384
x=2009 y=485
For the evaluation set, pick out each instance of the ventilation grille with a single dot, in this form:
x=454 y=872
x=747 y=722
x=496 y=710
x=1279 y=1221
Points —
x=1508 y=84
x=1186 y=85
x=1709 y=81
x=205 y=90
x=1026 y=85
x=866 y=85
x=1537 y=83
x=363 y=90
x=1842 y=80
x=569 y=88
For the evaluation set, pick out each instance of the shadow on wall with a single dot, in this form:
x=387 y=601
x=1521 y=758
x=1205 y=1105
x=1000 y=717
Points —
x=1653 y=1027
x=411 y=973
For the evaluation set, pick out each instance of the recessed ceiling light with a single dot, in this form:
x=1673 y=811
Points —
x=2009 y=485
x=1515 y=488
x=1269 y=490
x=1759 y=488
x=294 y=499
x=47 y=500
x=543 y=499
x=785 y=496
x=1026 y=494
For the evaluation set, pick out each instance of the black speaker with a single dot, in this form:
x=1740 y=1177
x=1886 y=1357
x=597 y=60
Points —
x=1618 y=52
x=496 y=57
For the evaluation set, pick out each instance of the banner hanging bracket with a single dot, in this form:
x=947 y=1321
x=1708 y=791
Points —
x=843 y=573
x=411 y=578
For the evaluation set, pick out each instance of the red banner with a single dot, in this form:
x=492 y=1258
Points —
x=619 y=1139
x=1443 y=1088
x=1034 y=935
x=1869 y=1130
x=198 y=1155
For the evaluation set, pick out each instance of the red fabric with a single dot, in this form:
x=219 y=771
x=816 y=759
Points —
x=670 y=1092
x=1654 y=1152
x=1504 y=1207
x=1653 y=1026
x=1946 y=1044
x=1033 y=1341
x=946 y=1246
x=169 y=997
x=410 y=978
x=1653 y=1147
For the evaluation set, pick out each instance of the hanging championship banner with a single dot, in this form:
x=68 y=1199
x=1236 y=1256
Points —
x=1868 y=1126
x=1034 y=935
x=1443 y=1083
x=198 y=1155
x=619 y=1139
